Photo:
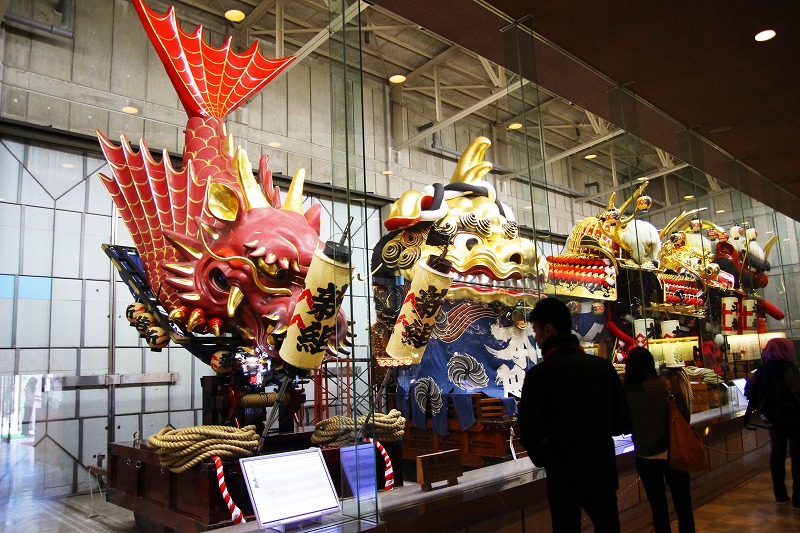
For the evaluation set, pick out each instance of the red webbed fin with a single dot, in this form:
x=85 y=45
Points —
x=211 y=82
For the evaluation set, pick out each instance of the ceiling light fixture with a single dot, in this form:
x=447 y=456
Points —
x=515 y=126
x=274 y=144
x=397 y=78
x=689 y=197
x=67 y=165
x=129 y=109
x=765 y=35
x=590 y=156
x=387 y=172
x=768 y=232
x=234 y=15
x=643 y=178
x=720 y=211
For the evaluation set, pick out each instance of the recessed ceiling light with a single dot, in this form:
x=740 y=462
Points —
x=397 y=78
x=768 y=232
x=765 y=35
x=689 y=197
x=274 y=144
x=590 y=156
x=67 y=165
x=234 y=15
x=515 y=126
x=720 y=211
x=129 y=109
x=387 y=172
x=786 y=240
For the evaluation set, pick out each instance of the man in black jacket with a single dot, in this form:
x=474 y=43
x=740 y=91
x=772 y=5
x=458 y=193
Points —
x=572 y=405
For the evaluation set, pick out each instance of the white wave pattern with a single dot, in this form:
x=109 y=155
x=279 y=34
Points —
x=428 y=389
x=466 y=372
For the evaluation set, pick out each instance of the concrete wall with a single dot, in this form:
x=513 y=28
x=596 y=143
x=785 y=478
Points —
x=81 y=85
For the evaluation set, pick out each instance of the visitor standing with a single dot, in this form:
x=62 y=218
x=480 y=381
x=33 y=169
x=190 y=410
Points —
x=775 y=389
x=29 y=397
x=572 y=405
x=647 y=397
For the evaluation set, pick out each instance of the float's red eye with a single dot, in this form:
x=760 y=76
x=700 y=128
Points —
x=219 y=280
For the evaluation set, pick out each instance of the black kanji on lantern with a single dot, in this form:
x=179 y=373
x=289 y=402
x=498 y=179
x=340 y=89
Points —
x=313 y=337
x=327 y=301
x=429 y=301
x=417 y=333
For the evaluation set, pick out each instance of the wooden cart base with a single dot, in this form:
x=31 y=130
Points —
x=187 y=502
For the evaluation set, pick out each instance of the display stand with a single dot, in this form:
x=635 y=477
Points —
x=288 y=490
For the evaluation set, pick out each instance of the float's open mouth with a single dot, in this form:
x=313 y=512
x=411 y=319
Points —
x=482 y=286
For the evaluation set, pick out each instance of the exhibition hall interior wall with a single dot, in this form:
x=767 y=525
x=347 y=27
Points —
x=61 y=300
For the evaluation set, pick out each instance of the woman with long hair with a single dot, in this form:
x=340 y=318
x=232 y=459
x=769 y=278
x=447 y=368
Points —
x=775 y=389
x=648 y=398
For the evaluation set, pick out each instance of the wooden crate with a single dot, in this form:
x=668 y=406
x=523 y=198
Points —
x=187 y=502
x=700 y=396
x=487 y=439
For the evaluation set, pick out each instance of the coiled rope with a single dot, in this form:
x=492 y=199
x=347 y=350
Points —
x=339 y=431
x=706 y=375
x=181 y=449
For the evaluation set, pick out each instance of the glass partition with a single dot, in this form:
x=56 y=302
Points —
x=666 y=282
x=344 y=382
x=651 y=235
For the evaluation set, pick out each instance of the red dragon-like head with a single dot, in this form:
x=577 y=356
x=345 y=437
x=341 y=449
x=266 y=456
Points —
x=247 y=269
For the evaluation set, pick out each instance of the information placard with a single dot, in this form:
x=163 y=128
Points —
x=358 y=465
x=288 y=487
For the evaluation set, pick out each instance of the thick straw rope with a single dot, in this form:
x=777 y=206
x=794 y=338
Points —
x=339 y=431
x=181 y=449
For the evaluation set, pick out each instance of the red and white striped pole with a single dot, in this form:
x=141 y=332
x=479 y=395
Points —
x=236 y=513
x=389 y=482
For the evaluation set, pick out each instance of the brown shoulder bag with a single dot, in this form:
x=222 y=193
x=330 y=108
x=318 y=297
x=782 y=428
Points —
x=687 y=451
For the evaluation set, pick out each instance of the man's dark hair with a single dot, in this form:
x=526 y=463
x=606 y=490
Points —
x=554 y=312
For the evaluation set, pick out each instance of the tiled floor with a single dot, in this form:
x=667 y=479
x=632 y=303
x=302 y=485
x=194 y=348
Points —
x=23 y=510
x=746 y=508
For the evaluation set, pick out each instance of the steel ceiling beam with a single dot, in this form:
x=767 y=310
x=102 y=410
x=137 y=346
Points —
x=257 y=12
x=490 y=71
x=566 y=153
x=461 y=114
x=363 y=29
x=319 y=39
x=584 y=146
x=428 y=65
x=646 y=177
